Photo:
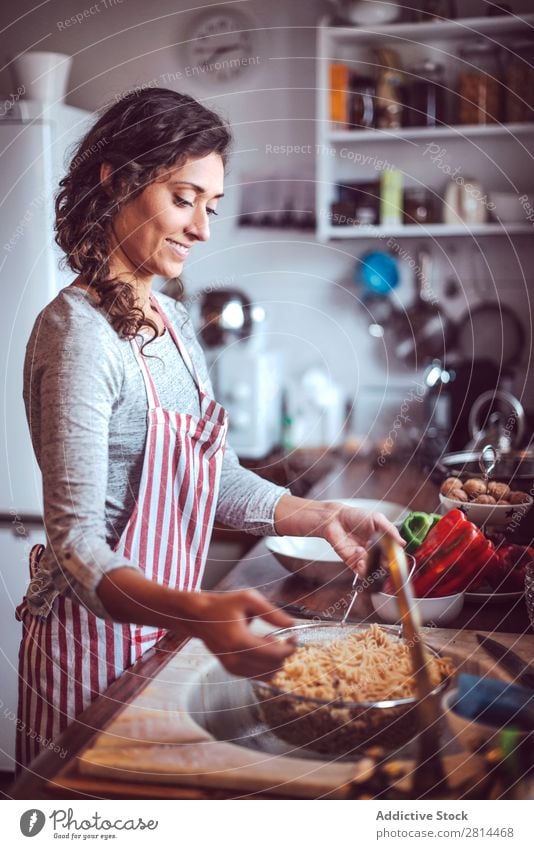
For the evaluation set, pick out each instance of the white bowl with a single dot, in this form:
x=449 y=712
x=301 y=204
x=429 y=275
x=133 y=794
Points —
x=496 y=515
x=471 y=733
x=435 y=611
x=314 y=558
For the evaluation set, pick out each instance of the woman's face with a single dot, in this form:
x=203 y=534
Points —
x=154 y=232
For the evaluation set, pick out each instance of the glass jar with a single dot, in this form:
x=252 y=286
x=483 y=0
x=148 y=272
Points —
x=424 y=98
x=362 y=103
x=419 y=207
x=479 y=91
x=388 y=90
x=519 y=77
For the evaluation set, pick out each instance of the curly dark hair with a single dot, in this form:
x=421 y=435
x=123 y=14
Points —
x=145 y=132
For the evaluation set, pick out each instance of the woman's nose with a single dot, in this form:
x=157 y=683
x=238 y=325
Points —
x=199 y=226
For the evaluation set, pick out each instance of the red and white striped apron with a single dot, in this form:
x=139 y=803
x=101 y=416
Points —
x=71 y=656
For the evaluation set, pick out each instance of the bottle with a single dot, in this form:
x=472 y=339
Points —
x=425 y=96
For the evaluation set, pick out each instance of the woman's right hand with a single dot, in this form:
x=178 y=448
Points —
x=222 y=622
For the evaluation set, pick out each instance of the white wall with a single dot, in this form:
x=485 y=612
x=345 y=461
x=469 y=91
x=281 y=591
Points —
x=307 y=288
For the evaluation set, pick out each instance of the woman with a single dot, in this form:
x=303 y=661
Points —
x=130 y=442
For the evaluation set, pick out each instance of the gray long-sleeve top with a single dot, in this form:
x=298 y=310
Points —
x=86 y=406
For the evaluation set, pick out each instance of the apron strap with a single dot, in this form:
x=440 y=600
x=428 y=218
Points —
x=151 y=394
x=179 y=344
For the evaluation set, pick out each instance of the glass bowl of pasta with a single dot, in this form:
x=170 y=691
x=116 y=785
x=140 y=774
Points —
x=346 y=688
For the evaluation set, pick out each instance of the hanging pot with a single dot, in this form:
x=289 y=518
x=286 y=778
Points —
x=422 y=332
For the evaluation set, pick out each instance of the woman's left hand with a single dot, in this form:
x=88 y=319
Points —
x=349 y=530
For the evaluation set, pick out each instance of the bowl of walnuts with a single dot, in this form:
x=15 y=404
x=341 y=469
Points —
x=485 y=502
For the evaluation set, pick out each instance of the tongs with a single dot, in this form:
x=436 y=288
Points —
x=429 y=773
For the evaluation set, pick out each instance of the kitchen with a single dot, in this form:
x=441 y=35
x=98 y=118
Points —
x=365 y=287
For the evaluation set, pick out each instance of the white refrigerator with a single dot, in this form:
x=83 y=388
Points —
x=35 y=143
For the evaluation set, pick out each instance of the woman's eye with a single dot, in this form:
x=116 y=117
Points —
x=181 y=202
x=211 y=211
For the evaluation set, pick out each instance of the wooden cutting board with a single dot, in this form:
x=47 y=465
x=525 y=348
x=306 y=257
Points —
x=155 y=741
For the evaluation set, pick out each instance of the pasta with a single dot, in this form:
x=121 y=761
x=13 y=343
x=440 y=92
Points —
x=363 y=667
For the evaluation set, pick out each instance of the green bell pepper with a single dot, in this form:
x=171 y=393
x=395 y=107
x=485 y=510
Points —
x=415 y=528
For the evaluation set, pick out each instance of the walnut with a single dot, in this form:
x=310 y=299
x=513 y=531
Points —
x=517 y=497
x=458 y=495
x=450 y=484
x=484 y=499
x=498 y=490
x=474 y=487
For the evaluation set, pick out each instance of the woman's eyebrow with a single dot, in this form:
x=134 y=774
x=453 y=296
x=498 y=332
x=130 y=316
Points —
x=194 y=186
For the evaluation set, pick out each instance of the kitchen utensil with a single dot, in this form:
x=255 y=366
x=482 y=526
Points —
x=336 y=728
x=420 y=333
x=486 y=694
x=488 y=459
x=226 y=316
x=491 y=331
x=353 y=599
x=497 y=417
x=523 y=672
x=432 y=611
x=516 y=466
x=377 y=272
x=429 y=773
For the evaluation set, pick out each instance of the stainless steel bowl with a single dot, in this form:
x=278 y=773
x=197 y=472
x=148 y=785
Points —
x=336 y=728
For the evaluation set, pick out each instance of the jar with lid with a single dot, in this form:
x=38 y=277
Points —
x=389 y=90
x=424 y=97
x=479 y=90
x=520 y=84
x=419 y=207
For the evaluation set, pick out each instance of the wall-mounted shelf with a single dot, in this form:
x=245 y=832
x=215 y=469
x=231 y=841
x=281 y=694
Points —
x=484 y=153
x=459 y=132
x=420 y=231
x=461 y=29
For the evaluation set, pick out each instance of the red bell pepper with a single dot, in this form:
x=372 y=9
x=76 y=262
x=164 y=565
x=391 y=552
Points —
x=509 y=564
x=454 y=553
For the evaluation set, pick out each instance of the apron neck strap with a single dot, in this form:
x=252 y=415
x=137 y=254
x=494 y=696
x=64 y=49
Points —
x=179 y=344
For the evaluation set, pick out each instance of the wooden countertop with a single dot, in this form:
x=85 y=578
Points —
x=402 y=484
